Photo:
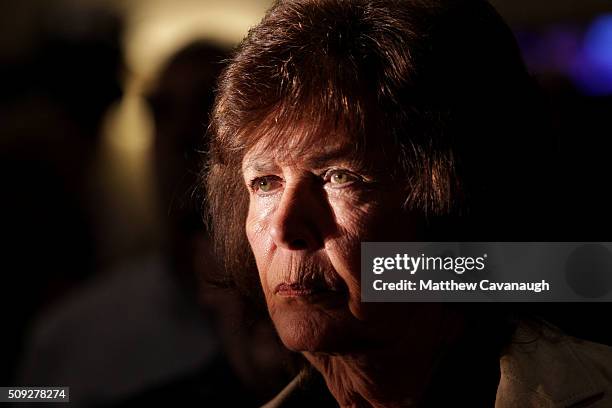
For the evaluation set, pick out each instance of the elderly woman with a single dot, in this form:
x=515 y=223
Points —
x=338 y=122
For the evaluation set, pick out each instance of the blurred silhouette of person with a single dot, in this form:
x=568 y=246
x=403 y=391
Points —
x=145 y=332
x=180 y=102
x=54 y=98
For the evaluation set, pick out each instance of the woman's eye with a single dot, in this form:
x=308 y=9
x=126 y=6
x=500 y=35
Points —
x=265 y=184
x=341 y=177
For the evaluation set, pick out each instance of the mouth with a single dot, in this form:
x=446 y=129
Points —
x=305 y=290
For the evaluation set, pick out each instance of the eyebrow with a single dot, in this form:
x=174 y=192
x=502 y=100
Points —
x=345 y=154
x=260 y=165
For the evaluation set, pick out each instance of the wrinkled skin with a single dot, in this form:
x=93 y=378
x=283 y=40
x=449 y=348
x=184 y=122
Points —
x=308 y=214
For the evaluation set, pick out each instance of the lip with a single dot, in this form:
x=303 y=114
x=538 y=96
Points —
x=301 y=290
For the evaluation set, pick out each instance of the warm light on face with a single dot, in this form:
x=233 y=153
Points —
x=307 y=216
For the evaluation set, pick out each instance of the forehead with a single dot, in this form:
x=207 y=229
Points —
x=305 y=148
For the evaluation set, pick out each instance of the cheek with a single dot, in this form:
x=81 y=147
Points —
x=354 y=221
x=377 y=216
x=358 y=220
x=258 y=222
x=256 y=228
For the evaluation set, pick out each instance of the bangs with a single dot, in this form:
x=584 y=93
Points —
x=312 y=70
x=316 y=106
x=295 y=130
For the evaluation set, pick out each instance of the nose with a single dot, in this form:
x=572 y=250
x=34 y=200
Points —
x=302 y=219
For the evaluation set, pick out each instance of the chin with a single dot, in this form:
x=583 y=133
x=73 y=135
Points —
x=304 y=329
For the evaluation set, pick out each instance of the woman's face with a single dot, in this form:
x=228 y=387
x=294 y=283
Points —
x=308 y=214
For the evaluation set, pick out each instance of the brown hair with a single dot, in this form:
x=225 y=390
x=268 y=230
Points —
x=439 y=81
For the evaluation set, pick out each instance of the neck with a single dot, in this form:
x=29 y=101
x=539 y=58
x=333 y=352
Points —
x=414 y=371
x=373 y=379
